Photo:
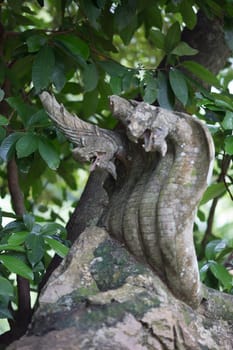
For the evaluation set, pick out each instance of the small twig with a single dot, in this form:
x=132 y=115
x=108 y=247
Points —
x=209 y=229
x=10 y=215
x=231 y=178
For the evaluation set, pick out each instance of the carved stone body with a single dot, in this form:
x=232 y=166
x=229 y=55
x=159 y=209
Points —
x=157 y=187
x=153 y=210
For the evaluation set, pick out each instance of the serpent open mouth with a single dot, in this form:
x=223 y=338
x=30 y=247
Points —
x=93 y=160
x=147 y=138
x=155 y=141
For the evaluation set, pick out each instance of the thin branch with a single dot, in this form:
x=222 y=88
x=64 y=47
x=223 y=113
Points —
x=23 y=287
x=228 y=189
x=209 y=229
x=14 y=188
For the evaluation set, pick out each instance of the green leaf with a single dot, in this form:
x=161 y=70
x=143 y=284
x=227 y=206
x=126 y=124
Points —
x=127 y=33
x=179 y=85
x=158 y=38
x=173 y=37
x=151 y=89
x=42 y=68
x=17 y=238
x=201 y=215
x=57 y=246
x=90 y=102
x=165 y=96
x=17 y=266
x=214 y=247
x=227 y=122
x=92 y=11
x=5 y=313
x=14 y=226
x=74 y=45
x=201 y=72
x=203 y=270
x=213 y=191
x=26 y=145
x=6 y=287
x=183 y=49
x=90 y=77
x=35 y=248
x=153 y=18
x=2 y=94
x=29 y=221
x=3 y=120
x=124 y=15
x=223 y=101
x=38 y=119
x=53 y=229
x=130 y=82
x=34 y=42
x=22 y=70
x=16 y=248
x=222 y=275
x=24 y=110
x=49 y=154
x=7 y=147
x=113 y=68
x=58 y=76
x=2 y=134
x=116 y=86
x=188 y=13
x=229 y=145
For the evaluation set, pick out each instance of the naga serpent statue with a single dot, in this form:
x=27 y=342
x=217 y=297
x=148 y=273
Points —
x=159 y=163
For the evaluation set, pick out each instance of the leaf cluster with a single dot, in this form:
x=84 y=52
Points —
x=25 y=250
x=213 y=269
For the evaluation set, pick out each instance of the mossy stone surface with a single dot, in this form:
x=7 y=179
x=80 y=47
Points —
x=112 y=265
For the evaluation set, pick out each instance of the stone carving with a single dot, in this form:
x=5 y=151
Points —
x=159 y=164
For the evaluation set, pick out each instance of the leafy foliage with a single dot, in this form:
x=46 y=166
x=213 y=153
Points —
x=24 y=246
x=85 y=51
x=212 y=270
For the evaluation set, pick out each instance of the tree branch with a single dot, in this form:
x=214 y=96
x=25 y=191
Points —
x=209 y=229
x=23 y=314
x=14 y=188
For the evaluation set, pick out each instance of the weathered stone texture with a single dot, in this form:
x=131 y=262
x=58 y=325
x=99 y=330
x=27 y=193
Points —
x=131 y=310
